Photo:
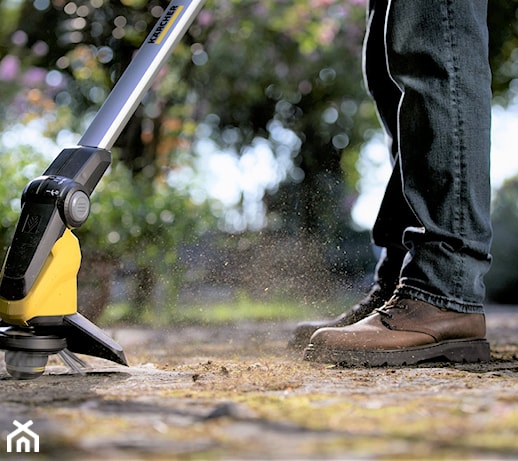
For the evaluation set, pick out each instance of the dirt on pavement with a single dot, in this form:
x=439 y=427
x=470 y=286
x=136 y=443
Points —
x=235 y=392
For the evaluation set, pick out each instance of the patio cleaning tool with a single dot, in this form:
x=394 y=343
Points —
x=38 y=280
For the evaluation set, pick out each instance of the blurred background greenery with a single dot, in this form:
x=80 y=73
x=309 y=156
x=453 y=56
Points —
x=234 y=183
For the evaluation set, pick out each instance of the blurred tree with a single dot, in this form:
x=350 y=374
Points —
x=297 y=66
x=503 y=46
x=136 y=233
x=502 y=279
x=244 y=66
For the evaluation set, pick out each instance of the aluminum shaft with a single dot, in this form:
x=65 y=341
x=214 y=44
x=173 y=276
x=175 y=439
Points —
x=140 y=74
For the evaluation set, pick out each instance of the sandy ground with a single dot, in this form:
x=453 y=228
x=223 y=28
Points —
x=235 y=392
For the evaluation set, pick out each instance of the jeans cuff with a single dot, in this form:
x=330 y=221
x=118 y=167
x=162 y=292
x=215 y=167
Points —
x=442 y=302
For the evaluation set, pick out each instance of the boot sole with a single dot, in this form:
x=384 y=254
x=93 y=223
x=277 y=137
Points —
x=464 y=351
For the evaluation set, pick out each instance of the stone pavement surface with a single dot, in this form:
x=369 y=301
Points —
x=234 y=392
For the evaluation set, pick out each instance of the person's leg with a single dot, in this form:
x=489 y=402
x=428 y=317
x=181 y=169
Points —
x=437 y=55
x=386 y=95
x=394 y=215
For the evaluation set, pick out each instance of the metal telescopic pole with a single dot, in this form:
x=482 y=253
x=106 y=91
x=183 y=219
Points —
x=140 y=74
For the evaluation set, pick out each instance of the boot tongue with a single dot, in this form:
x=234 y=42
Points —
x=395 y=315
x=408 y=315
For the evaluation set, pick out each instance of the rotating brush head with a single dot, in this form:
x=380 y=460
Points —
x=27 y=348
x=25 y=365
x=27 y=352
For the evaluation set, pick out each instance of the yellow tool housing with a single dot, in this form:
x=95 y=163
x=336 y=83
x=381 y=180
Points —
x=55 y=290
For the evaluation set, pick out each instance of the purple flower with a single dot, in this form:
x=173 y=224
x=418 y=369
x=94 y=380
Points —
x=34 y=76
x=9 y=68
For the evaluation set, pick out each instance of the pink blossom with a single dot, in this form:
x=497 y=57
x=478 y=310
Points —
x=34 y=76
x=9 y=68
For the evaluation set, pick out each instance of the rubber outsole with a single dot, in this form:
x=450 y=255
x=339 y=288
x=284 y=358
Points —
x=463 y=351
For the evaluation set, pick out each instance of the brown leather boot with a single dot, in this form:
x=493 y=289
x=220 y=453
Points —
x=377 y=296
x=403 y=332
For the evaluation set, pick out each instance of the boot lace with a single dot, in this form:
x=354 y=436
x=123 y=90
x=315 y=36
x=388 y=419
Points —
x=393 y=303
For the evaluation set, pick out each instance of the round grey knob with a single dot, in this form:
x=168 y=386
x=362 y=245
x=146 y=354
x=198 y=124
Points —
x=76 y=208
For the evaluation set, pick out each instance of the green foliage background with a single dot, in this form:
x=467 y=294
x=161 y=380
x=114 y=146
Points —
x=244 y=70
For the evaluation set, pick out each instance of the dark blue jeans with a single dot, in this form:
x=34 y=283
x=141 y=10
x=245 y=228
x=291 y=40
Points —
x=426 y=67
